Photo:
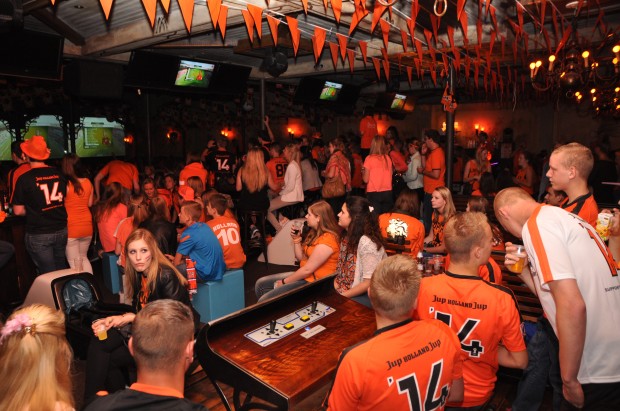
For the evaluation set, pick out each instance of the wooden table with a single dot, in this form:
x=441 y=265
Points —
x=291 y=368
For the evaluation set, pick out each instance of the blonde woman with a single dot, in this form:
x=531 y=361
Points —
x=35 y=361
x=475 y=167
x=254 y=181
x=443 y=209
x=317 y=254
x=377 y=174
x=293 y=191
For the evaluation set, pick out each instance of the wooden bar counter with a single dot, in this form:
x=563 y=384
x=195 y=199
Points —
x=17 y=275
x=293 y=367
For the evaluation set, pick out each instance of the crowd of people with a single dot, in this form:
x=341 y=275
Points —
x=357 y=199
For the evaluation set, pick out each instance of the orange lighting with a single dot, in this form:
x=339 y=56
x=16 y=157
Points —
x=128 y=139
x=477 y=126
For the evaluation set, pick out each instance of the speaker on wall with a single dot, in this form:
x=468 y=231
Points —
x=93 y=79
x=275 y=62
x=11 y=15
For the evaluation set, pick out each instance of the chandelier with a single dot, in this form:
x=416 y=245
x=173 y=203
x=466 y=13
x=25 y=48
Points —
x=584 y=73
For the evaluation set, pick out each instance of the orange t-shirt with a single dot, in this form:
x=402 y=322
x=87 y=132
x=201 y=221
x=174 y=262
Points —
x=493 y=276
x=79 y=218
x=193 y=170
x=277 y=169
x=329 y=266
x=120 y=172
x=436 y=160
x=380 y=171
x=483 y=315
x=124 y=229
x=166 y=195
x=368 y=130
x=403 y=224
x=522 y=177
x=584 y=206
x=398 y=159
x=107 y=227
x=227 y=231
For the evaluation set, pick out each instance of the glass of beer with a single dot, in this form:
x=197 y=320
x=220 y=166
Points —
x=518 y=266
x=102 y=331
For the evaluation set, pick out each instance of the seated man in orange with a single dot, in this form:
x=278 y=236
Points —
x=226 y=230
x=407 y=365
x=403 y=221
x=482 y=314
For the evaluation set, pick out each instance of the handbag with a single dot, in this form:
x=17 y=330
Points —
x=333 y=187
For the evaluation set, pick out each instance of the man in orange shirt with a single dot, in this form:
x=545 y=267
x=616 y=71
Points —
x=482 y=314
x=227 y=231
x=407 y=365
x=194 y=168
x=434 y=170
x=277 y=165
x=368 y=130
x=117 y=171
x=22 y=166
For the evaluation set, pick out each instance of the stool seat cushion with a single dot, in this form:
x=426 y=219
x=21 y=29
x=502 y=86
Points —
x=216 y=299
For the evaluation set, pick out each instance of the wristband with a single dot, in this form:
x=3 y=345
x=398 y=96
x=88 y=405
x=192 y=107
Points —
x=283 y=280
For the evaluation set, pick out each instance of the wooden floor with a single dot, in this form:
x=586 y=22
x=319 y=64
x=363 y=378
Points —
x=200 y=390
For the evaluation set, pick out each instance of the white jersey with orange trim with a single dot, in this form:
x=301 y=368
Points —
x=561 y=245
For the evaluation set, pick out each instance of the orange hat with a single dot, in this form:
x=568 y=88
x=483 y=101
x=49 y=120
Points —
x=36 y=148
x=187 y=193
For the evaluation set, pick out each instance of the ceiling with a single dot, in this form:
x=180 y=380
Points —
x=89 y=36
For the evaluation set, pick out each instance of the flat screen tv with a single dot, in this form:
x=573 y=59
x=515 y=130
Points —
x=5 y=143
x=394 y=102
x=194 y=74
x=98 y=137
x=50 y=128
x=26 y=53
x=330 y=91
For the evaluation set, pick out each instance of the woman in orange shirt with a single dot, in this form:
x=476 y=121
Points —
x=377 y=173
x=526 y=175
x=443 y=209
x=317 y=254
x=475 y=167
x=108 y=214
x=78 y=201
x=137 y=213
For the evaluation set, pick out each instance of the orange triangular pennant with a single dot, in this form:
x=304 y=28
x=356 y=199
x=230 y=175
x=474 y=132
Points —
x=305 y=4
x=356 y=18
x=333 y=49
x=376 y=15
x=385 y=30
x=187 y=11
x=375 y=62
x=295 y=33
x=106 y=5
x=257 y=17
x=386 y=69
x=325 y=4
x=273 y=28
x=318 y=41
x=435 y=26
x=337 y=9
x=460 y=5
x=150 y=6
x=463 y=21
x=364 y=49
x=214 y=11
x=409 y=74
x=342 y=43
x=433 y=72
x=494 y=18
x=221 y=20
x=404 y=39
x=249 y=24
x=351 y=56
x=165 y=4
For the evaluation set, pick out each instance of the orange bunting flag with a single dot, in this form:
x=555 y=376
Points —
x=404 y=39
x=305 y=4
x=295 y=33
x=214 y=12
x=554 y=19
x=375 y=62
x=494 y=18
x=479 y=31
x=415 y=9
x=519 y=15
x=249 y=24
x=360 y=13
x=376 y=15
x=337 y=9
x=411 y=27
x=386 y=69
x=273 y=28
x=221 y=20
x=460 y=6
x=351 y=56
x=488 y=5
x=333 y=49
x=463 y=21
x=467 y=66
x=493 y=35
x=567 y=32
x=257 y=16
x=543 y=7
x=166 y=5
x=417 y=66
x=579 y=4
x=409 y=74
x=385 y=54
x=428 y=36
x=433 y=72
x=342 y=43
x=364 y=49
x=434 y=25
x=325 y=4
x=418 y=48
x=385 y=30
x=187 y=11
x=547 y=41
x=106 y=5
x=150 y=6
x=318 y=42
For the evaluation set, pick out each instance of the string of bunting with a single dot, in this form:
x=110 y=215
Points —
x=500 y=79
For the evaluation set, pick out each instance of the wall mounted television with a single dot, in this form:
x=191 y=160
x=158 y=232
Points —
x=330 y=91
x=51 y=129
x=27 y=53
x=394 y=103
x=194 y=74
x=341 y=97
x=98 y=137
x=5 y=143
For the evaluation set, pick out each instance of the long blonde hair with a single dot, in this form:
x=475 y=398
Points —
x=254 y=174
x=35 y=361
x=295 y=154
x=379 y=147
x=158 y=261
x=449 y=209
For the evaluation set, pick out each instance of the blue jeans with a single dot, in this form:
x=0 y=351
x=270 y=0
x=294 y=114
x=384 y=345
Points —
x=47 y=250
x=544 y=363
x=264 y=286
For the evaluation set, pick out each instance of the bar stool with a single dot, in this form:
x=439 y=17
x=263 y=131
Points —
x=260 y=216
